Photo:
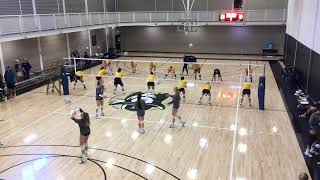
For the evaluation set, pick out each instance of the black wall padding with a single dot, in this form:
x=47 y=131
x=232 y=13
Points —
x=314 y=77
x=302 y=65
x=290 y=50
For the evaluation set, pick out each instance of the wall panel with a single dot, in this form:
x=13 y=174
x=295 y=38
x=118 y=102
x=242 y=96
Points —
x=27 y=48
x=53 y=48
x=314 y=85
x=302 y=64
x=213 y=39
x=317 y=32
x=307 y=22
x=290 y=51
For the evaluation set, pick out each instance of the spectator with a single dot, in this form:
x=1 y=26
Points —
x=17 y=67
x=303 y=176
x=26 y=67
x=314 y=124
x=310 y=110
x=10 y=80
x=88 y=62
x=2 y=91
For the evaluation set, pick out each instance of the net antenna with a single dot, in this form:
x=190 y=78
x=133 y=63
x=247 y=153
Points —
x=188 y=22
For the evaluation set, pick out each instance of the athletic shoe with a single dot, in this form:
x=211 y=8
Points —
x=83 y=159
x=307 y=153
x=97 y=116
x=102 y=114
x=317 y=146
x=142 y=131
x=172 y=126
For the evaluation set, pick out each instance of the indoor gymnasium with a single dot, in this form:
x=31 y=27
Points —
x=159 y=89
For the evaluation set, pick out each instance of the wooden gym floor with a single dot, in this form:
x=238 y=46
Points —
x=220 y=142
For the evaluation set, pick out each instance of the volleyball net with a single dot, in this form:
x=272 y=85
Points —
x=166 y=69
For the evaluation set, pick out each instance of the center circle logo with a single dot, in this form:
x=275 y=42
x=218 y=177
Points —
x=156 y=101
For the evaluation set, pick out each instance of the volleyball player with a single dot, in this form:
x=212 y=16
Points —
x=140 y=106
x=99 y=98
x=79 y=77
x=182 y=87
x=84 y=125
x=216 y=72
x=185 y=68
x=102 y=72
x=107 y=65
x=197 y=70
x=246 y=91
x=118 y=81
x=249 y=73
x=133 y=66
x=150 y=83
x=153 y=67
x=175 y=107
x=206 y=91
x=171 y=70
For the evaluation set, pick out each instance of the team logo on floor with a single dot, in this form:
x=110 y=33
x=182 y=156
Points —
x=157 y=101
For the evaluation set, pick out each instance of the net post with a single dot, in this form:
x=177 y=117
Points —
x=75 y=65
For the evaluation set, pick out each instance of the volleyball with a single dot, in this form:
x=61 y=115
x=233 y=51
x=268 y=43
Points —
x=190 y=45
x=126 y=53
x=158 y=81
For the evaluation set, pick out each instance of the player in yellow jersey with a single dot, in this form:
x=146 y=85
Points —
x=171 y=70
x=197 y=70
x=133 y=66
x=79 y=76
x=102 y=72
x=182 y=88
x=150 y=82
x=118 y=81
x=153 y=67
x=246 y=91
x=206 y=91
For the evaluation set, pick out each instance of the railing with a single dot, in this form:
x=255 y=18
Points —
x=14 y=24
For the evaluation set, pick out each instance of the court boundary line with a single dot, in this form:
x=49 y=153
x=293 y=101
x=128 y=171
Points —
x=233 y=152
x=98 y=149
x=47 y=115
x=168 y=123
x=48 y=156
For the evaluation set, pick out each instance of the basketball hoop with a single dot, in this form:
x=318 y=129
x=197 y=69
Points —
x=188 y=23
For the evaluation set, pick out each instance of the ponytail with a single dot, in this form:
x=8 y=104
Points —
x=86 y=118
x=139 y=101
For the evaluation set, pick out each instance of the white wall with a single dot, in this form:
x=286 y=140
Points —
x=303 y=22
x=317 y=34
